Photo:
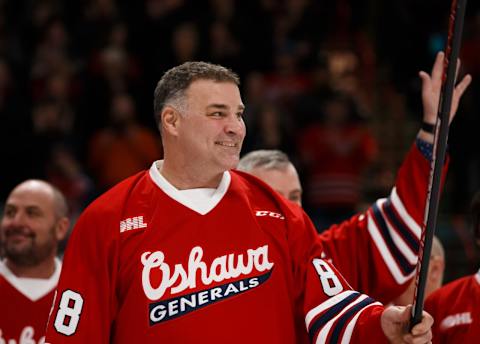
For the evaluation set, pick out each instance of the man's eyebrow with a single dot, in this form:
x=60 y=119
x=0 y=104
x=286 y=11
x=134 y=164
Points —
x=218 y=106
x=10 y=206
x=33 y=207
x=224 y=107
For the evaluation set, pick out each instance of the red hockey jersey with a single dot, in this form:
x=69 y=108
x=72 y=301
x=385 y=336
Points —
x=146 y=263
x=455 y=309
x=24 y=306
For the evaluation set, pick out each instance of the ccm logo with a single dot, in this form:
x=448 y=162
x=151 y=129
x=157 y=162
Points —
x=269 y=214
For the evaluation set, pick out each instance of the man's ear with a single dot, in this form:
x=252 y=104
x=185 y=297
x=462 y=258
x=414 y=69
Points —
x=170 y=120
x=62 y=227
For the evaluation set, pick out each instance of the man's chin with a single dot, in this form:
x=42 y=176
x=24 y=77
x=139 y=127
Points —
x=20 y=251
x=21 y=258
x=18 y=248
x=231 y=164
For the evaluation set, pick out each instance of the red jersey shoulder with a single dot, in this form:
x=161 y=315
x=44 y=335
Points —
x=112 y=208
x=259 y=194
x=452 y=289
x=116 y=197
x=454 y=308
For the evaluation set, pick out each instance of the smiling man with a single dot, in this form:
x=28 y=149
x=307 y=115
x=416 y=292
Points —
x=33 y=222
x=192 y=251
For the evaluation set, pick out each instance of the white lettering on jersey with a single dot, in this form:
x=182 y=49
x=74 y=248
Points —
x=132 y=223
x=177 y=278
x=455 y=320
x=26 y=337
x=269 y=214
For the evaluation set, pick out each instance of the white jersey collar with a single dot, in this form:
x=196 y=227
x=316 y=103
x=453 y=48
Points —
x=32 y=288
x=201 y=200
x=477 y=277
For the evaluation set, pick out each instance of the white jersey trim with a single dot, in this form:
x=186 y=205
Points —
x=201 y=200
x=324 y=332
x=326 y=304
x=477 y=277
x=386 y=254
x=409 y=221
x=397 y=239
x=347 y=335
x=32 y=288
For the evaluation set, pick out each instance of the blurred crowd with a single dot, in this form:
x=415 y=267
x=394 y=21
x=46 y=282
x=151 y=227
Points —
x=332 y=83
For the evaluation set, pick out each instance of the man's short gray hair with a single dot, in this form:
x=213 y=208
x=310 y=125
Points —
x=268 y=159
x=171 y=87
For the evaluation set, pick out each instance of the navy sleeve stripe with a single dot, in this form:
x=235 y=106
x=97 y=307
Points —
x=330 y=314
x=404 y=265
x=401 y=227
x=340 y=325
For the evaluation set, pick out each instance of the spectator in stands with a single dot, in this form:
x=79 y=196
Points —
x=335 y=153
x=124 y=147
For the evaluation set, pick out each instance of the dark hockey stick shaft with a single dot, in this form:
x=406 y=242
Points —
x=456 y=20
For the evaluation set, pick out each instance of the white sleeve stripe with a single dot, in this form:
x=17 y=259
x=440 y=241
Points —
x=385 y=252
x=325 y=305
x=409 y=221
x=347 y=335
x=394 y=219
x=325 y=331
x=397 y=239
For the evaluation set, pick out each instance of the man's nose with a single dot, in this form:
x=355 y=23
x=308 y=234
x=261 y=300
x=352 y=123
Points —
x=235 y=125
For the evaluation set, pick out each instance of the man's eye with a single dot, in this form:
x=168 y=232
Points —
x=9 y=213
x=33 y=213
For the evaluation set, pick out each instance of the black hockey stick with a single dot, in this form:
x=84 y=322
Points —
x=455 y=28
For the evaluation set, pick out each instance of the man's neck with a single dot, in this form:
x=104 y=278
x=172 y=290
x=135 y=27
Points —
x=186 y=178
x=44 y=269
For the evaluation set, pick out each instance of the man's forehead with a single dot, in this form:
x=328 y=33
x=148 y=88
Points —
x=279 y=177
x=31 y=195
x=215 y=92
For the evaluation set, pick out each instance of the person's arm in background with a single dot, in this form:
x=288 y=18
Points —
x=377 y=251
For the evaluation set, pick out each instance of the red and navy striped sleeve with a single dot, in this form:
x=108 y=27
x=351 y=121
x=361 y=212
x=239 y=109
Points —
x=334 y=313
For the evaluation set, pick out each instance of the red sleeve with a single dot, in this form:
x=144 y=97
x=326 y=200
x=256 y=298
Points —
x=377 y=251
x=85 y=301
x=331 y=311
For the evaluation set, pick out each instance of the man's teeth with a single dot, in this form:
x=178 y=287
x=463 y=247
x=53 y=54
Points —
x=226 y=144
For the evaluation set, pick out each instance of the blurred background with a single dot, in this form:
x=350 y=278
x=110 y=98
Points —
x=332 y=83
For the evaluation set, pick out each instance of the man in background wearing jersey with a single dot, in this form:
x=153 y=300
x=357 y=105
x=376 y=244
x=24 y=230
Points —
x=192 y=251
x=33 y=222
x=456 y=305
